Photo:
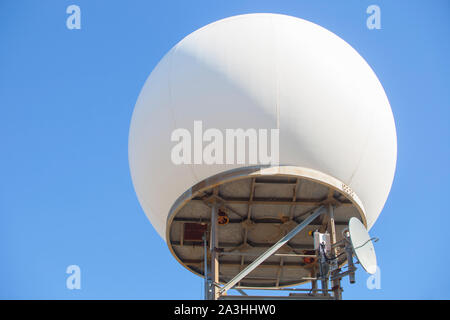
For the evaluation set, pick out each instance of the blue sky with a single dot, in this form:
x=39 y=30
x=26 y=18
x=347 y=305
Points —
x=66 y=99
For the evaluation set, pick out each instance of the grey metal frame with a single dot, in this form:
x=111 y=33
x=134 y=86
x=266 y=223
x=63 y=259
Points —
x=213 y=291
x=208 y=194
x=317 y=212
x=205 y=266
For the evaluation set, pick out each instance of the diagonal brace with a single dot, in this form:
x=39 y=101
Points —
x=317 y=212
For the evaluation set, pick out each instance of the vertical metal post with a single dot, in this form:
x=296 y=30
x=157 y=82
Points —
x=205 y=263
x=252 y=266
x=325 y=286
x=323 y=270
x=314 y=282
x=214 y=256
x=335 y=284
x=351 y=266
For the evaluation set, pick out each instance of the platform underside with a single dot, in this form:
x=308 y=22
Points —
x=261 y=209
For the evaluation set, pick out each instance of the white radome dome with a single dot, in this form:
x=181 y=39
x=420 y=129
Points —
x=265 y=71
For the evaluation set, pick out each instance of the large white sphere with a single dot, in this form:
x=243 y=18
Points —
x=265 y=71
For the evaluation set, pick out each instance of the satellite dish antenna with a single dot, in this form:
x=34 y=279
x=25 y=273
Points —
x=362 y=245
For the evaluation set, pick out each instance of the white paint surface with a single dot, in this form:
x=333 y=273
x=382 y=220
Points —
x=265 y=71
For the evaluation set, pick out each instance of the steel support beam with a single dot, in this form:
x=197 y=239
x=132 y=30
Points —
x=275 y=289
x=351 y=266
x=249 y=219
x=214 y=255
x=280 y=201
x=317 y=212
x=291 y=265
x=343 y=274
x=205 y=266
x=250 y=254
x=335 y=284
x=242 y=292
x=313 y=282
x=254 y=221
